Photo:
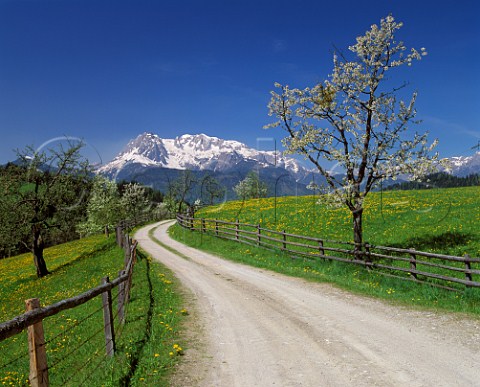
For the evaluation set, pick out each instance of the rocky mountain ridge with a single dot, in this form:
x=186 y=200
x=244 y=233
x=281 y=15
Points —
x=197 y=153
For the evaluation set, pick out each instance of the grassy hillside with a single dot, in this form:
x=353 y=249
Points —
x=147 y=345
x=437 y=220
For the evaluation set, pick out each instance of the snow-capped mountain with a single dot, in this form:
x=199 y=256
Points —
x=196 y=152
x=465 y=165
x=157 y=162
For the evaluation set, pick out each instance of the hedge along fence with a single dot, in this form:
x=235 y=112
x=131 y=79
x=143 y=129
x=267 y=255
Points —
x=32 y=320
x=440 y=270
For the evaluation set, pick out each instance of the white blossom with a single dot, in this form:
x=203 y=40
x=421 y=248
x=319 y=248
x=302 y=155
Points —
x=355 y=118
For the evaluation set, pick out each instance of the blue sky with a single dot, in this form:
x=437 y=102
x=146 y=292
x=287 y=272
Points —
x=106 y=71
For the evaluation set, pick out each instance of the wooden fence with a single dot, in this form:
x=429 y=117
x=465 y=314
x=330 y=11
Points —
x=409 y=264
x=32 y=320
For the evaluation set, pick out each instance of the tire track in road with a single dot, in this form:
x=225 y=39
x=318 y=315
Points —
x=262 y=328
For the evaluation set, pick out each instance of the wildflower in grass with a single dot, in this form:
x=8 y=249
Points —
x=178 y=349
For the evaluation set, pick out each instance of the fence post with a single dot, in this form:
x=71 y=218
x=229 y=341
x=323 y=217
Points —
x=118 y=235
x=320 y=247
x=259 y=233
x=133 y=251
x=237 y=229
x=36 y=347
x=284 y=240
x=413 y=263
x=216 y=227
x=126 y=289
x=468 y=268
x=368 y=258
x=121 y=298
x=204 y=227
x=108 y=320
x=127 y=249
x=128 y=283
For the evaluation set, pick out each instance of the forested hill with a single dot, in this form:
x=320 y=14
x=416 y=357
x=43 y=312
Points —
x=438 y=180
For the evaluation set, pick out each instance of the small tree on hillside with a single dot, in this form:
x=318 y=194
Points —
x=179 y=191
x=211 y=189
x=251 y=187
x=134 y=202
x=103 y=209
x=42 y=196
x=355 y=119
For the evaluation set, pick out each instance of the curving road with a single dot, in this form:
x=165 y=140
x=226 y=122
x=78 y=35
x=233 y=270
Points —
x=257 y=328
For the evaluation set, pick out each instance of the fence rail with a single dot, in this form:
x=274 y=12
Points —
x=409 y=264
x=32 y=320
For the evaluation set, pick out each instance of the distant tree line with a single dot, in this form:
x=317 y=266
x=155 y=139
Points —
x=438 y=180
x=251 y=187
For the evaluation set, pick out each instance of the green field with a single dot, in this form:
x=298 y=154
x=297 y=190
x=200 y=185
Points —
x=444 y=221
x=147 y=345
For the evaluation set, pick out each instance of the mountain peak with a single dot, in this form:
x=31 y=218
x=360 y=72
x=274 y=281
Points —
x=465 y=165
x=195 y=152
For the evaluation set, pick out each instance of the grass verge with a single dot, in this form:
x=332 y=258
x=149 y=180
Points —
x=348 y=277
x=147 y=345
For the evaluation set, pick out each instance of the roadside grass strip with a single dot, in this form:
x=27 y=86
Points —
x=148 y=345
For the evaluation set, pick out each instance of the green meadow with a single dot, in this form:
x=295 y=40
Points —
x=147 y=344
x=443 y=221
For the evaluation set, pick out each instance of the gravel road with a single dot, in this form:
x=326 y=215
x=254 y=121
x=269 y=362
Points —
x=252 y=327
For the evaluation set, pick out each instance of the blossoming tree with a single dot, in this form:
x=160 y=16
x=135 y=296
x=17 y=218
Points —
x=356 y=120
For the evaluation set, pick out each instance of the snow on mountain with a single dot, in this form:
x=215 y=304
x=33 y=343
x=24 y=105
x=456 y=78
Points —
x=465 y=165
x=201 y=152
x=195 y=152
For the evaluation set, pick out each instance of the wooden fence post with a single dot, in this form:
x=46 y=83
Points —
x=127 y=249
x=237 y=230
x=413 y=263
x=259 y=235
x=108 y=320
x=133 y=251
x=468 y=268
x=204 y=227
x=118 y=235
x=320 y=247
x=121 y=298
x=216 y=227
x=36 y=347
x=368 y=258
x=128 y=283
x=284 y=234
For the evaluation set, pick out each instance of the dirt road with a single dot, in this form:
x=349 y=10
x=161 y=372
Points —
x=258 y=328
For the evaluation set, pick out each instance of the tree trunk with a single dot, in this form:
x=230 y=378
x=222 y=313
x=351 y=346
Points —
x=38 y=246
x=358 y=232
